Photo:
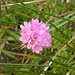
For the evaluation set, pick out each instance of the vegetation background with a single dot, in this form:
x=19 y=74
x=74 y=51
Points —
x=16 y=59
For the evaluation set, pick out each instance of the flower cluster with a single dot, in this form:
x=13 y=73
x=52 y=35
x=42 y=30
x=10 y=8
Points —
x=35 y=35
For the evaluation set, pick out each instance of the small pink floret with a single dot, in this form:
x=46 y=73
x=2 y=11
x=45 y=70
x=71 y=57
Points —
x=35 y=35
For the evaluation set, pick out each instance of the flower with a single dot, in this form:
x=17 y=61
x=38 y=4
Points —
x=35 y=35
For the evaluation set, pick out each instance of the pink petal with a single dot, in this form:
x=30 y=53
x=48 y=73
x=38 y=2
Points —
x=41 y=32
x=22 y=27
x=25 y=24
x=47 y=27
x=22 y=34
x=37 y=49
x=29 y=46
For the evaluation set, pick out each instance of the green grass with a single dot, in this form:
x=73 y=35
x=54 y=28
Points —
x=17 y=59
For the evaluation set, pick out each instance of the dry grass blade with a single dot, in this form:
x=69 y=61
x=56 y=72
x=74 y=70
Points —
x=31 y=2
x=23 y=57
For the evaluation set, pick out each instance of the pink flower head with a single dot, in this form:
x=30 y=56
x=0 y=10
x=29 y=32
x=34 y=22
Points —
x=35 y=35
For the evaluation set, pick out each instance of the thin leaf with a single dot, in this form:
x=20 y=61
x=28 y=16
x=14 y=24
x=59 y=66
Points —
x=10 y=54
